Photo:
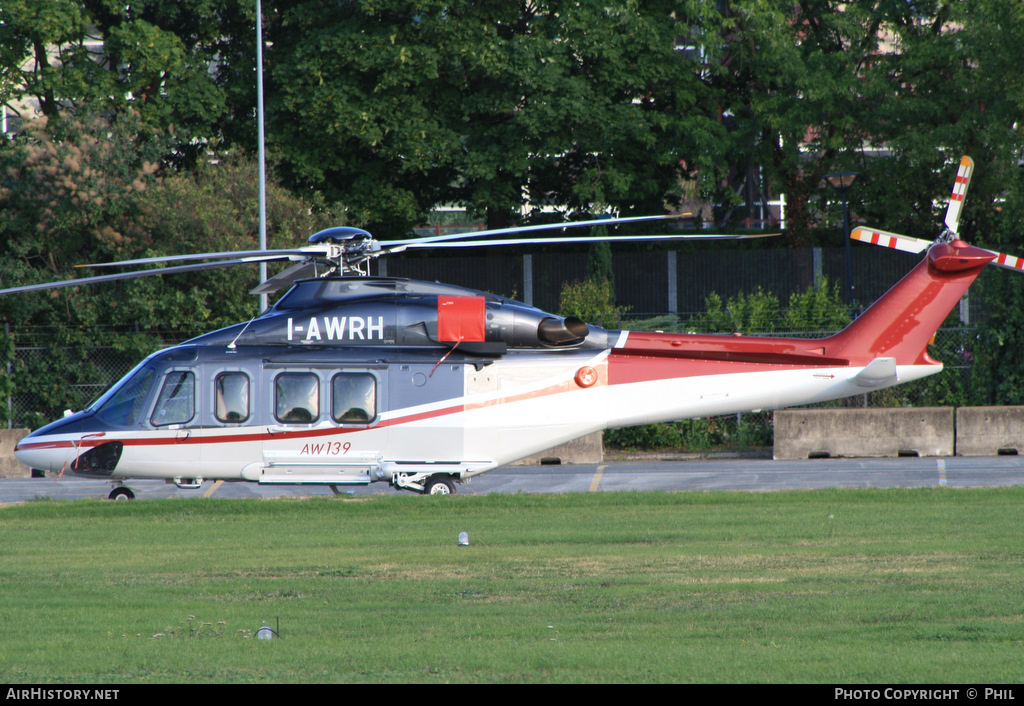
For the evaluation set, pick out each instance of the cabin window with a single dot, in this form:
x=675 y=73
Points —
x=297 y=398
x=177 y=401
x=232 y=397
x=354 y=398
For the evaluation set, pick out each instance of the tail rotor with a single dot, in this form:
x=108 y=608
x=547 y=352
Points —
x=951 y=233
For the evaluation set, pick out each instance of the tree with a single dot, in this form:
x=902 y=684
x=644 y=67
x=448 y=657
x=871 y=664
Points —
x=591 y=300
x=84 y=191
x=87 y=191
x=395 y=106
x=155 y=58
x=69 y=193
x=43 y=53
x=894 y=91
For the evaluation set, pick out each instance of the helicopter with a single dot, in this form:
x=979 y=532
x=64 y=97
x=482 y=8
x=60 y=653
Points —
x=351 y=379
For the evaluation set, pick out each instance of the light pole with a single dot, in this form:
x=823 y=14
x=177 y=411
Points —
x=842 y=183
x=261 y=147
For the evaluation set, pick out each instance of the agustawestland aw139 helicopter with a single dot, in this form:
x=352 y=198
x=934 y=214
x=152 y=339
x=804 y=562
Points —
x=354 y=379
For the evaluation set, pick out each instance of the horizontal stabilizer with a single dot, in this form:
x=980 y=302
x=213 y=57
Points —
x=879 y=372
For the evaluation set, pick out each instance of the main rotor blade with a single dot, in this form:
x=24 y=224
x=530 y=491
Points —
x=239 y=255
x=527 y=229
x=577 y=239
x=124 y=275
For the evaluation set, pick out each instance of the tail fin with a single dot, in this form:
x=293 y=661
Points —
x=901 y=323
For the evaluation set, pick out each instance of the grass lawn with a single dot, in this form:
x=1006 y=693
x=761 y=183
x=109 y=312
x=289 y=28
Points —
x=831 y=586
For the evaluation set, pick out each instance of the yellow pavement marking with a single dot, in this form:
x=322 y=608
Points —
x=597 y=479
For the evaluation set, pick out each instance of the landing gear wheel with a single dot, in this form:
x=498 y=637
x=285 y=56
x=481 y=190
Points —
x=439 y=485
x=121 y=493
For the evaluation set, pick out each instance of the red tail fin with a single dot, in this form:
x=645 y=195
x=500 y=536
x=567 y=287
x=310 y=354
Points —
x=903 y=321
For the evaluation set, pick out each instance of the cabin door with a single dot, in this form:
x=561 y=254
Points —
x=325 y=425
x=426 y=402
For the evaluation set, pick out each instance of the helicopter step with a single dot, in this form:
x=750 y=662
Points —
x=313 y=472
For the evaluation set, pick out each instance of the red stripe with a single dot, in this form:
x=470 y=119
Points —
x=241 y=438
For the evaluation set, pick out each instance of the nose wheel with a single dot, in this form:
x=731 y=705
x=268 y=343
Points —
x=121 y=493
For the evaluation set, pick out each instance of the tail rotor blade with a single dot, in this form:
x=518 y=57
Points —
x=956 y=199
x=890 y=240
x=917 y=245
x=1009 y=262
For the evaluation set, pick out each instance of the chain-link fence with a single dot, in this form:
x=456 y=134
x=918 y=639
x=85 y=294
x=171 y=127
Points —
x=40 y=395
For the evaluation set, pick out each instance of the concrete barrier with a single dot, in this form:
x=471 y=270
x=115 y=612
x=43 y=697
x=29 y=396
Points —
x=825 y=433
x=588 y=449
x=9 y=466
x=989 y=431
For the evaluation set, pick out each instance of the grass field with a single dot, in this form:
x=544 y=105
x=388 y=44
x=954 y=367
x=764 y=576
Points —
x=837 y=586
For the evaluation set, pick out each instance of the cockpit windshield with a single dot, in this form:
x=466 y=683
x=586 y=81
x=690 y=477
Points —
x=122 y=405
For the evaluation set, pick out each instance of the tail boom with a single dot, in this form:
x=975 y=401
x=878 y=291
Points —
x=899 y=326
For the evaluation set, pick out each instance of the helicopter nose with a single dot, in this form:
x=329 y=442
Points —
x=53 y=447
x=45 y=454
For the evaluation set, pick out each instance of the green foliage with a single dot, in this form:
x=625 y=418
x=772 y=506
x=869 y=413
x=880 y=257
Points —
x=592 y=300
x=155 y=61
x=727 y=433
x=818 y=309
x=392 y=107
x=29 y=29
x=222 y=194
x=805 y=85
x=70 y=190
x=743 y=313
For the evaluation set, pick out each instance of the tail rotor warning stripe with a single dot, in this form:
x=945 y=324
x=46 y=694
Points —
x=956 y=199
x=890 y=240
x=1009 y=261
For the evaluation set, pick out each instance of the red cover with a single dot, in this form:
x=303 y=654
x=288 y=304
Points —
x=460 y=319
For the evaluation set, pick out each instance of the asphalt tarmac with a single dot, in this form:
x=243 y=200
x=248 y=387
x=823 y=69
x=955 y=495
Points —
x=739 y=474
